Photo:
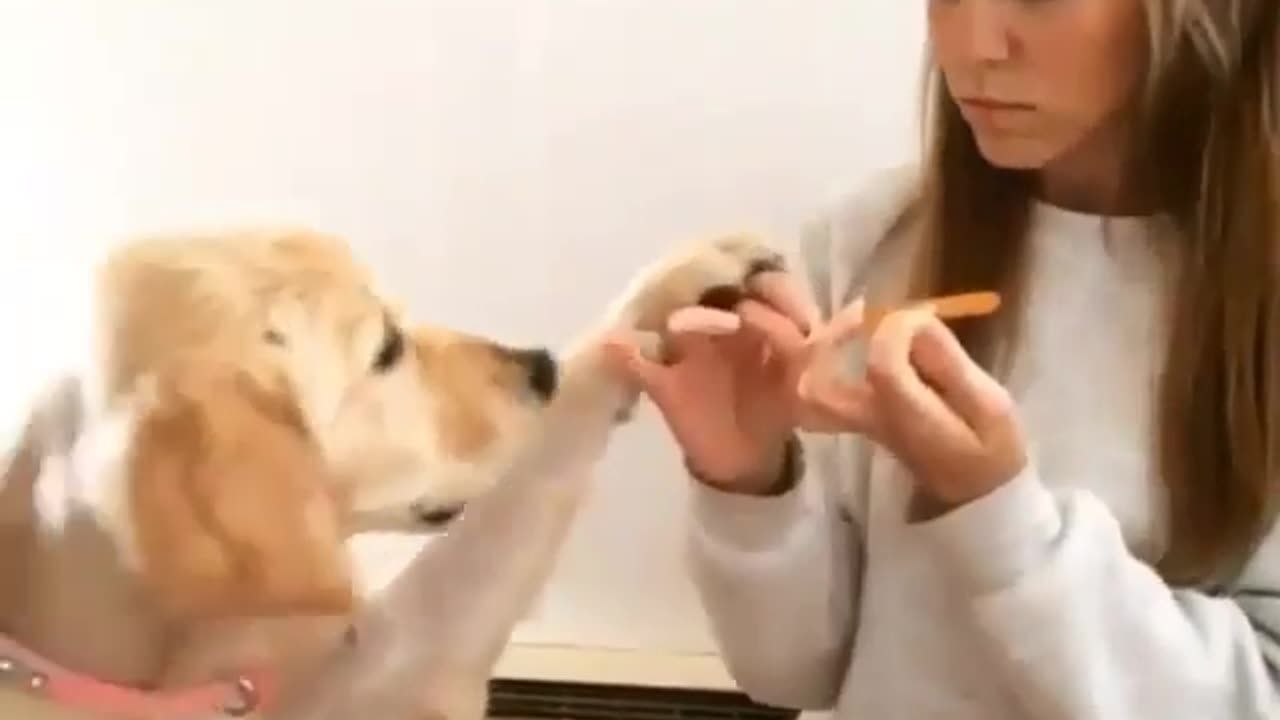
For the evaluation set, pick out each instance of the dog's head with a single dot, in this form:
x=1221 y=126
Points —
x=282 y=404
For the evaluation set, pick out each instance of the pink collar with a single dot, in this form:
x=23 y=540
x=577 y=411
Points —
x=25 y=671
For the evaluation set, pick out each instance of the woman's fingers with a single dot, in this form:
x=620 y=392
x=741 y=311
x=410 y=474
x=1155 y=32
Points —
x=823 y=361
x=888 y=364
x=777 y=312
x=780 y=291
x=778 y=331
x=844 y=325
x=829 y=404
x=968 y=389
x=623 y=352
x=901 y=394
x=669 y=365
x=824 y=402
x=703 y=320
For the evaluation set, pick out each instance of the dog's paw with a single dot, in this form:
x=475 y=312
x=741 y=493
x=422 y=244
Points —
x=711 y=274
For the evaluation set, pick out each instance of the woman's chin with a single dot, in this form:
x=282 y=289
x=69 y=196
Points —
x=1011 y=152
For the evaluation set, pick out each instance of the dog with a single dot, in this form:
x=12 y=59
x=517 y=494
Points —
x=175 y=506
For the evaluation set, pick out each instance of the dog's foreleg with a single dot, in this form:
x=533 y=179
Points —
x=479 y=579
x=431 y=639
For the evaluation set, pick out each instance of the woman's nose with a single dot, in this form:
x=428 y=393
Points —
x=975 y=31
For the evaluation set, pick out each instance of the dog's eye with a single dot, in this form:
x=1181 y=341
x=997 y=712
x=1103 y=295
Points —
x=391 y=351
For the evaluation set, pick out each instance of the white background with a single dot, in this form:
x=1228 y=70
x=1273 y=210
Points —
x=504 y=164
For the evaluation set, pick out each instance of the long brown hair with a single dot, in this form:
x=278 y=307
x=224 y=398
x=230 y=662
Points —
x=1210 y=156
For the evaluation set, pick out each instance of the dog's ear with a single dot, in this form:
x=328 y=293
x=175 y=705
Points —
x=230 y=506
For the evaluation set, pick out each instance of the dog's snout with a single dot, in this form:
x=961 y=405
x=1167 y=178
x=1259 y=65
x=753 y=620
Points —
x=541 y=370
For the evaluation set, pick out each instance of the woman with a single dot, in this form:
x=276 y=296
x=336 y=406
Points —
x=1066 y=509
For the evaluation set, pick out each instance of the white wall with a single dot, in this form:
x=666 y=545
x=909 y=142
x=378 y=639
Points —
x=505 y=164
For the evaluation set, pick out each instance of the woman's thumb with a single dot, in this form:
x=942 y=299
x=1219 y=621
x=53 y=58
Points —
x=624 y=353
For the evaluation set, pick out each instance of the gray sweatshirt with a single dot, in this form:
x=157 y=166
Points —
x=1036 y=601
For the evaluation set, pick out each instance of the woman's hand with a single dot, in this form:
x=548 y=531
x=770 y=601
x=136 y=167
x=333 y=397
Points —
x=925 y=400
x=728 y=395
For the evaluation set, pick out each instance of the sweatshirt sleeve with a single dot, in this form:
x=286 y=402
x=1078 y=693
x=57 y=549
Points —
x=778 y=575
x=1086 y=631
x=749 y=555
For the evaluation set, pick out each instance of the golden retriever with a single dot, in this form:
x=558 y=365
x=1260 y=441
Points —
x=175 y=510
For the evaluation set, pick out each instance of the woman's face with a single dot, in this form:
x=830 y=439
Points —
x=1036 y=79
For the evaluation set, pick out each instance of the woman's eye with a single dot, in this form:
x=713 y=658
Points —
x=391 y=351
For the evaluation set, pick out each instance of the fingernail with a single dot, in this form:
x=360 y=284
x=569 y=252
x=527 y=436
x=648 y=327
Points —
x=804 y=386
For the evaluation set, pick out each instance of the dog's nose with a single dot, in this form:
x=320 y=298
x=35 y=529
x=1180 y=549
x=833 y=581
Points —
x=542 y=371
x=438 y=515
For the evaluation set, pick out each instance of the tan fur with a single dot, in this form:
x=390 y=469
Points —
x=231 y=507
x=235 y=425
x=462 y=367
